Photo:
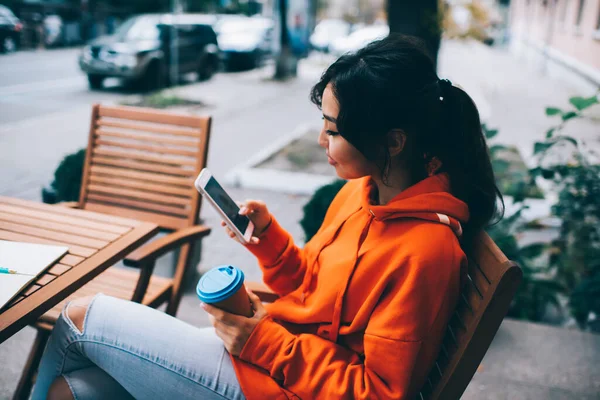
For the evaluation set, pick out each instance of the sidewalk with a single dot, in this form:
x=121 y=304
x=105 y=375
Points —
x=512 y=94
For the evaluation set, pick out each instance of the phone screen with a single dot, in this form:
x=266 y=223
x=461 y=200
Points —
x=225 y=203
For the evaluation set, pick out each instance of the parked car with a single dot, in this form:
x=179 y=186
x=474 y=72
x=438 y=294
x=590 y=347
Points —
x=140 y=50
x=10 y=30
x=359 y=39
x=245 y=42
x=327 y=31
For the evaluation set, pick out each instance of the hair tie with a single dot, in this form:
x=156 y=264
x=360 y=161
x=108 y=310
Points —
x=444 y=83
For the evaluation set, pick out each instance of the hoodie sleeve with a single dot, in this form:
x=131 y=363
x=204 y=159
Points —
x=282 y=262
x=314 y=368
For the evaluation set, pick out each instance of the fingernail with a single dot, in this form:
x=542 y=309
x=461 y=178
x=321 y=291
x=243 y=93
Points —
x=242 y=210
x=203 y=305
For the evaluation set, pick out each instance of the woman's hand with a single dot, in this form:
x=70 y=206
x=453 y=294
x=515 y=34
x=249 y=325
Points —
x=258 y=213
x=234 y=329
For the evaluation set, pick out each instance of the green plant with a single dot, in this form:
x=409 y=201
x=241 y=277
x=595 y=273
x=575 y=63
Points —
x=314 y=211
x=67 y=179
x=512 y=175
x=566 y=162
x=538 y=288
x=162 y=100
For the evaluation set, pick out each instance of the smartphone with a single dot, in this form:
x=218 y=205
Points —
x=208 y=186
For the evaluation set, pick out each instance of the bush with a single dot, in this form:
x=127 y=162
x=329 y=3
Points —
x=538 y=289
x=67 y=179
x=576 y=253
x=316 y=208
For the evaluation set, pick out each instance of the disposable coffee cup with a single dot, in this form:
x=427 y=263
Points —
x=223 y=287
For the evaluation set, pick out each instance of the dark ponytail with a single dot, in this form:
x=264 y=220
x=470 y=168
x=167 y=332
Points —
x=464 y=155
x=392 y=84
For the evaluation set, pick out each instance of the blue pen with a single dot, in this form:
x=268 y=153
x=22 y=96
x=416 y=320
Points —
x=12 y=272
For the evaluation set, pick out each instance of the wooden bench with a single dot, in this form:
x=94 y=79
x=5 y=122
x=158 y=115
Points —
x=140 y=164
x=491 y=283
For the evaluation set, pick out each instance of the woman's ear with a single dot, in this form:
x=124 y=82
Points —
x=396 y=141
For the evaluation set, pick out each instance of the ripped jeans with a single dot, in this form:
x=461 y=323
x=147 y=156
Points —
x=128 y=350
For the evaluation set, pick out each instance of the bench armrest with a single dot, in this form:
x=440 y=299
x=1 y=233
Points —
x=265 y=294
x=150 y=252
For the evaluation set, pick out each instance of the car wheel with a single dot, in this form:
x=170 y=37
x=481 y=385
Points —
x=257 y=61
x=9 y=45
x=95 y=81
x=208 y=67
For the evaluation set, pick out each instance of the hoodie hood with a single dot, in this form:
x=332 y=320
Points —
x=430 y=200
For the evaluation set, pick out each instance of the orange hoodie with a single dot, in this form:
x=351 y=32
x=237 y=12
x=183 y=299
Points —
x=365 y=304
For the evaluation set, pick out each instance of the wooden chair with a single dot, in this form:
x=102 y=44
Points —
x=140 y=163
x=492 y=281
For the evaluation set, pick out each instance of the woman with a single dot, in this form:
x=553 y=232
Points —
x=364 y=305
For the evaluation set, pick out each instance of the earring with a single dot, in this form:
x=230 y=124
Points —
x=433 y=166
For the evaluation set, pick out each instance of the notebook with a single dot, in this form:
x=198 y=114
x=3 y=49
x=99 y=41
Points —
x=27 y=258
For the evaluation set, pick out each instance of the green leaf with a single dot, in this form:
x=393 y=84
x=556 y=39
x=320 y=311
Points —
x=581 y=103
x=550 y=133
x=538 y=147
x=490 y=133
x=547 y=173
x=568 y=139
x=500 y=166
x=569 y=115
x=553 y=111
x=536 y=171
x=533 y=250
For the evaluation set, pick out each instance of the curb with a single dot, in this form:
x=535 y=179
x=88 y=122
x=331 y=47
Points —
x=247 y=176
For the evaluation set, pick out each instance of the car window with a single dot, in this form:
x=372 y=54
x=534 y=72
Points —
x=140 y=28
x=206 y=33
x=186 y=31
x=7 y=15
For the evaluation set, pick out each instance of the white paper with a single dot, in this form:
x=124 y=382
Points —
x=28 y=258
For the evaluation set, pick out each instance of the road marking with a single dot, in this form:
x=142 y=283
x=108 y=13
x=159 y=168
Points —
x=32 y=87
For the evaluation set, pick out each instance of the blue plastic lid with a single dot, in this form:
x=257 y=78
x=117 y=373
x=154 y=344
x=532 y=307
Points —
x=219 y=283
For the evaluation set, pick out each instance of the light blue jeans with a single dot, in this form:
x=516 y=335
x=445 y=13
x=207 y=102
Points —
x=128 y=350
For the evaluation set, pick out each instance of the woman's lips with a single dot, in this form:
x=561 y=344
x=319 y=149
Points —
x=331 y=160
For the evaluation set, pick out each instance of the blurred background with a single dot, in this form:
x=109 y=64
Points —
x=531 y=66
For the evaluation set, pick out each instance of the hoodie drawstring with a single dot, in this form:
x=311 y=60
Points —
x=314 y=263
x=339 y=301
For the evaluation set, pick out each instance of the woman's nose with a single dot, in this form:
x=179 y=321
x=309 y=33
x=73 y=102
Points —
x=322 y=139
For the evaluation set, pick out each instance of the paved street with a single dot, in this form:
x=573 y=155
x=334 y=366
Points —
x=41 y=122
x=38 y=83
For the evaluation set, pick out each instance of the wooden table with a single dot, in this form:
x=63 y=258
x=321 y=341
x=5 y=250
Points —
x=95 y=241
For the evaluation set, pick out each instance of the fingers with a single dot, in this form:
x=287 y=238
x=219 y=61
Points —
x=257 y=305
x=252 y=206
x=253 y=297
x=222 y=316
x=229 y=232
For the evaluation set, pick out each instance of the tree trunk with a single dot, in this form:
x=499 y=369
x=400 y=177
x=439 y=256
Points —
x=286 y=64
x=419 y=18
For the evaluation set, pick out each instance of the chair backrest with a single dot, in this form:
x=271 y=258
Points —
x=141 y=163
x=492 y=281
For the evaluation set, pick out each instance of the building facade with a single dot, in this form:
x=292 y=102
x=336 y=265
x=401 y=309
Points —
x=566 y=32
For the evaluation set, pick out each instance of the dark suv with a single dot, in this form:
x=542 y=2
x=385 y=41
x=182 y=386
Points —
x=141 y=50
x=10 y=30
